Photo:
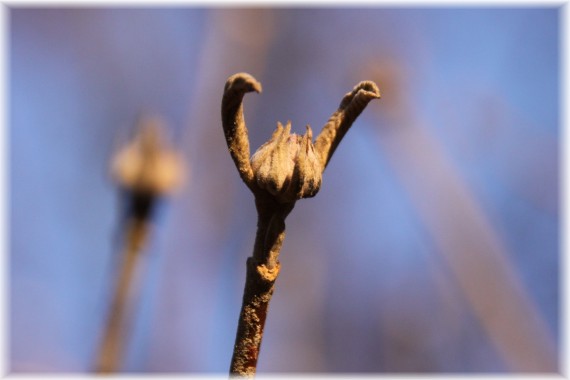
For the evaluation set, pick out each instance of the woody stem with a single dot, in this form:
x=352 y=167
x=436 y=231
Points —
x=262 y=271
x=110 y=353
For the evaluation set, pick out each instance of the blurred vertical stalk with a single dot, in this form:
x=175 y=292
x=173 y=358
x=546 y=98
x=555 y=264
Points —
x=475 y=254
x=145 y=169
x=109 y=356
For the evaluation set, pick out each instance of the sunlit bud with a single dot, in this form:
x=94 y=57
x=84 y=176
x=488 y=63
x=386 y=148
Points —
x=287 y=166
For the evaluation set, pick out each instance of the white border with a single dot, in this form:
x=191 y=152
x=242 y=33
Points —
x=4 y=162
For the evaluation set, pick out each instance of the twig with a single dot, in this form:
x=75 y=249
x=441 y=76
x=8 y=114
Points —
x=112 y=346
x=285 y=169
x=145 y=169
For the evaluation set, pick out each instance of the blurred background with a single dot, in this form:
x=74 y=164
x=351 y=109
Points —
x=432 y=246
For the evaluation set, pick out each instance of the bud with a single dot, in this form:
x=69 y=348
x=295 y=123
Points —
x=148 y=163
x=287 y=166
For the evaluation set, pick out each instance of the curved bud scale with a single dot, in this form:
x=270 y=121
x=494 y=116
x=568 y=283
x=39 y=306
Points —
x=351 y=106
x=233 y=121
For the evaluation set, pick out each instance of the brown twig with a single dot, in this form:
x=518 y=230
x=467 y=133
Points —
x=145 y=169
x=285 y=169
x=110 y=352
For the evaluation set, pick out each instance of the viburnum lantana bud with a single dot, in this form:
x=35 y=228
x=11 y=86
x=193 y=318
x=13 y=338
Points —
x=287 y=166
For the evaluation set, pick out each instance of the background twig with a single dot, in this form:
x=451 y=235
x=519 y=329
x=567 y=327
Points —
x=113 y=341
x=145 y=169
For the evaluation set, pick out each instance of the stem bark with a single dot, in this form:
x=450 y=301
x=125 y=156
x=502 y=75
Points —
x=262 y=271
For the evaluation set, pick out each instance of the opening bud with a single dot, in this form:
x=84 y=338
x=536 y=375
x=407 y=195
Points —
x=287 y=166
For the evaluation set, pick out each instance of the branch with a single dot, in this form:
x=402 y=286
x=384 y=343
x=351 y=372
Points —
x=262 y=271
x=146 y=169
x=110 y=354
x=285 y=169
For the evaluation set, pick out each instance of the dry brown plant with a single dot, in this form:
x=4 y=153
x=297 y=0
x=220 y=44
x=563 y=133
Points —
x=146 y=169
x=283 y=170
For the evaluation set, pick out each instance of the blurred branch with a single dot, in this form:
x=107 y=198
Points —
x=110 y=352
x=474 y=253
x=146 y=169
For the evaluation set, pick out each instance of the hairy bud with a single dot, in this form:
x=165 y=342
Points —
x=287 y=166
